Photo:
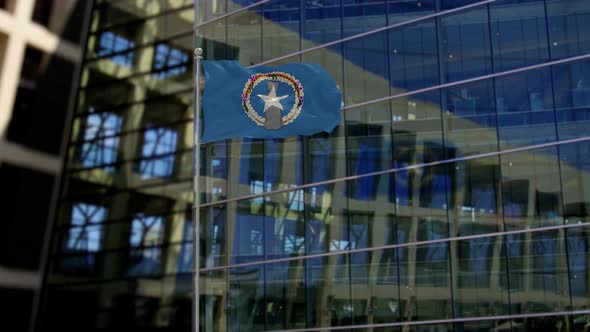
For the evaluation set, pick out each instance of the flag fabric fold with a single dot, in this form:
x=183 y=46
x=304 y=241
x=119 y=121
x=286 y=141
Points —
x=267 y=102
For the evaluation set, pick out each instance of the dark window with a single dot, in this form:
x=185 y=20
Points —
x=42 y=11
x=41 y=102
x=24 y=202
x=16 y=305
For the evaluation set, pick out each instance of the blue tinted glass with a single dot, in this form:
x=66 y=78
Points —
x=404 y=10
x=87 y=231
x=525 y=108
x=413 y=57
x=146 y=234
x=111 y=43
x=100 y=146
x=362 y=16
x=519 y=34
x=280 y=28
x=159 y=144
x=322 y=22
x=569 y=27
x=572 y=98
x=366 y=68
x=169 y=61
x=470 y=119
x=465 y=40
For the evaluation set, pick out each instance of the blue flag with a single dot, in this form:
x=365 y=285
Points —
x=267 y=102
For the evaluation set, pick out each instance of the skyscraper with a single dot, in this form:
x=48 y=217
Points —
x=452 y=197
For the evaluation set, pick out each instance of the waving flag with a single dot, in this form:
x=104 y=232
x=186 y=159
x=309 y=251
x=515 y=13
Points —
x=267 y=102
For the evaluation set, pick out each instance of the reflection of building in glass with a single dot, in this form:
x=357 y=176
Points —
x=453 y=197
x=40 y=59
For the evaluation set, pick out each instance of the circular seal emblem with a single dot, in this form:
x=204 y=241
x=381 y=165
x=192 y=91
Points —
x=272 y=117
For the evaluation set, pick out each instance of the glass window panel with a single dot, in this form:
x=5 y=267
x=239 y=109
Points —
x=331 y=60
x=244 y=31
x=146 y=235
x=366 y=68
x=214 y=300
x=569 y=28
x=531 y=189
x=525 y=109
x=427 y=293
x=413 y=57
x=213 y=41
x=285 y=293
x=538 y=279
x=470 y=119
x=328 y=291
x=572 y=98
x=416 y=124
x=285 y=219
x=405 y=10
x=575 y=177
x=280 y=28
x=577 y=249
x=84 y=236
x=210 y=9
x=121 y=48
x=465 y=39
x=322 y=23
x=169 y=61
x=475 y=196
x=246 y=307
x=519 y=34
x=369 y=150
x=362 y=16
x=478 y=273
x=157 y=147
x=100 y=146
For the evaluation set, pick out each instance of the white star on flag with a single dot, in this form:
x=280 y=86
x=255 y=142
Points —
x=271 y=99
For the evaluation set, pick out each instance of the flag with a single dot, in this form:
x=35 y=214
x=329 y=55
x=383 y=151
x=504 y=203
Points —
x=267 y=102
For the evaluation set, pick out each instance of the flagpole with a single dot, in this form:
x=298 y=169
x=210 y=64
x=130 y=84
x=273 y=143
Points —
x=196 y=189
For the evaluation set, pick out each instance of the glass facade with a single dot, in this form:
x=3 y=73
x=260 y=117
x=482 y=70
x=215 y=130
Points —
x=454 y=195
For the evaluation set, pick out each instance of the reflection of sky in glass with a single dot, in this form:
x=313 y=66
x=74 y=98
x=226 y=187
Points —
x=169 y=57
x=86 y=230
x=99 y=151
x=111 y=43
x=158 y=141
x=146 y=230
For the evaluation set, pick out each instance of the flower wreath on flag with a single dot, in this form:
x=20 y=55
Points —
x=255 y=79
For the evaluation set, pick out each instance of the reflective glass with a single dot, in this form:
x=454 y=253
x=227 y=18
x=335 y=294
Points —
x=465 y=45
x=519 y=33
x=366 y=69
x=470 y=119
x=531 y=189
x=572 y=98
x=280 y=28
x=413 y=57
x=451 y=229
x=525 y=109
x=568 y=27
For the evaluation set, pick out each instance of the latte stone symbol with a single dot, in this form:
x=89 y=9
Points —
x=272 y=107
x=271 y=116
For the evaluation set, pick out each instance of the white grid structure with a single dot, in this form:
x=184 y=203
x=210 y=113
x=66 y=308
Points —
x=18 y=30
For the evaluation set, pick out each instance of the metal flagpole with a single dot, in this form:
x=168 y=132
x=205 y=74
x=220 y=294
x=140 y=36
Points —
x=196 y=190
